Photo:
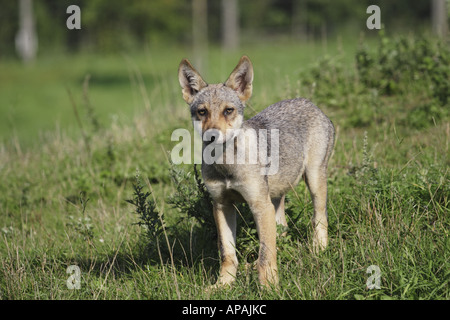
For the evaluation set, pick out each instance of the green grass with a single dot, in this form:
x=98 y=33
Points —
x=64 y=186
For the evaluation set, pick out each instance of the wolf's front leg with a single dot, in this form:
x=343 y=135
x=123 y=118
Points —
x=225 y=217
x=264 y=214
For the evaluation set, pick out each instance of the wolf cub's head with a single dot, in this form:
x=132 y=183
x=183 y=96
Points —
x=217 y=108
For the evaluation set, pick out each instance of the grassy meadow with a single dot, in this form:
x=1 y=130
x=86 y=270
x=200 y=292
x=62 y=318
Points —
x=82 y=134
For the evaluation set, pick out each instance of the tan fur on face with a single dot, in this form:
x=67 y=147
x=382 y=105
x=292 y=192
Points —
x=218 y=120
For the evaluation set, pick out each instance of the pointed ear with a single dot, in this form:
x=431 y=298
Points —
x=190 y=81
x=241 y=79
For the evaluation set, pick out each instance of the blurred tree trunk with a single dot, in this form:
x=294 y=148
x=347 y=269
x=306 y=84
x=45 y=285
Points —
x=299 y=19
x=439 y=16
x=200 y=34
x=230 y=24
x=26 y=38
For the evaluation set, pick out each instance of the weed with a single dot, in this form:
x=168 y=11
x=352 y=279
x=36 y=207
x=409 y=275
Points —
x=83 y=225
x=149 y=217
x=191 y=198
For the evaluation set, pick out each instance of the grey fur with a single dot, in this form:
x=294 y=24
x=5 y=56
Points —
x=306 y=140
x=304 y=128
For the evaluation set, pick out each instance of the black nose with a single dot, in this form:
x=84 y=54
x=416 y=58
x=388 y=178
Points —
x=210 y=136
x=211 y=140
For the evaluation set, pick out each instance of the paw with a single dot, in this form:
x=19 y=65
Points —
x=320 y=240
x=268 y=276
x=220 y=285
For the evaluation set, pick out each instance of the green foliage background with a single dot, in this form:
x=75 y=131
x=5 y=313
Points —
x=111 y=25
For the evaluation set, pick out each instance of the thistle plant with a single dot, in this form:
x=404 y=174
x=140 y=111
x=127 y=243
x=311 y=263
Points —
x=149 y=217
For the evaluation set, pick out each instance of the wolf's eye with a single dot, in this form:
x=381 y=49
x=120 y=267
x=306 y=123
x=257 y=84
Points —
x=228 y=111
x=201 y=112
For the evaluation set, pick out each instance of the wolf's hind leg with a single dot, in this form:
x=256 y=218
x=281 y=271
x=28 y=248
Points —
x=316 y=180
